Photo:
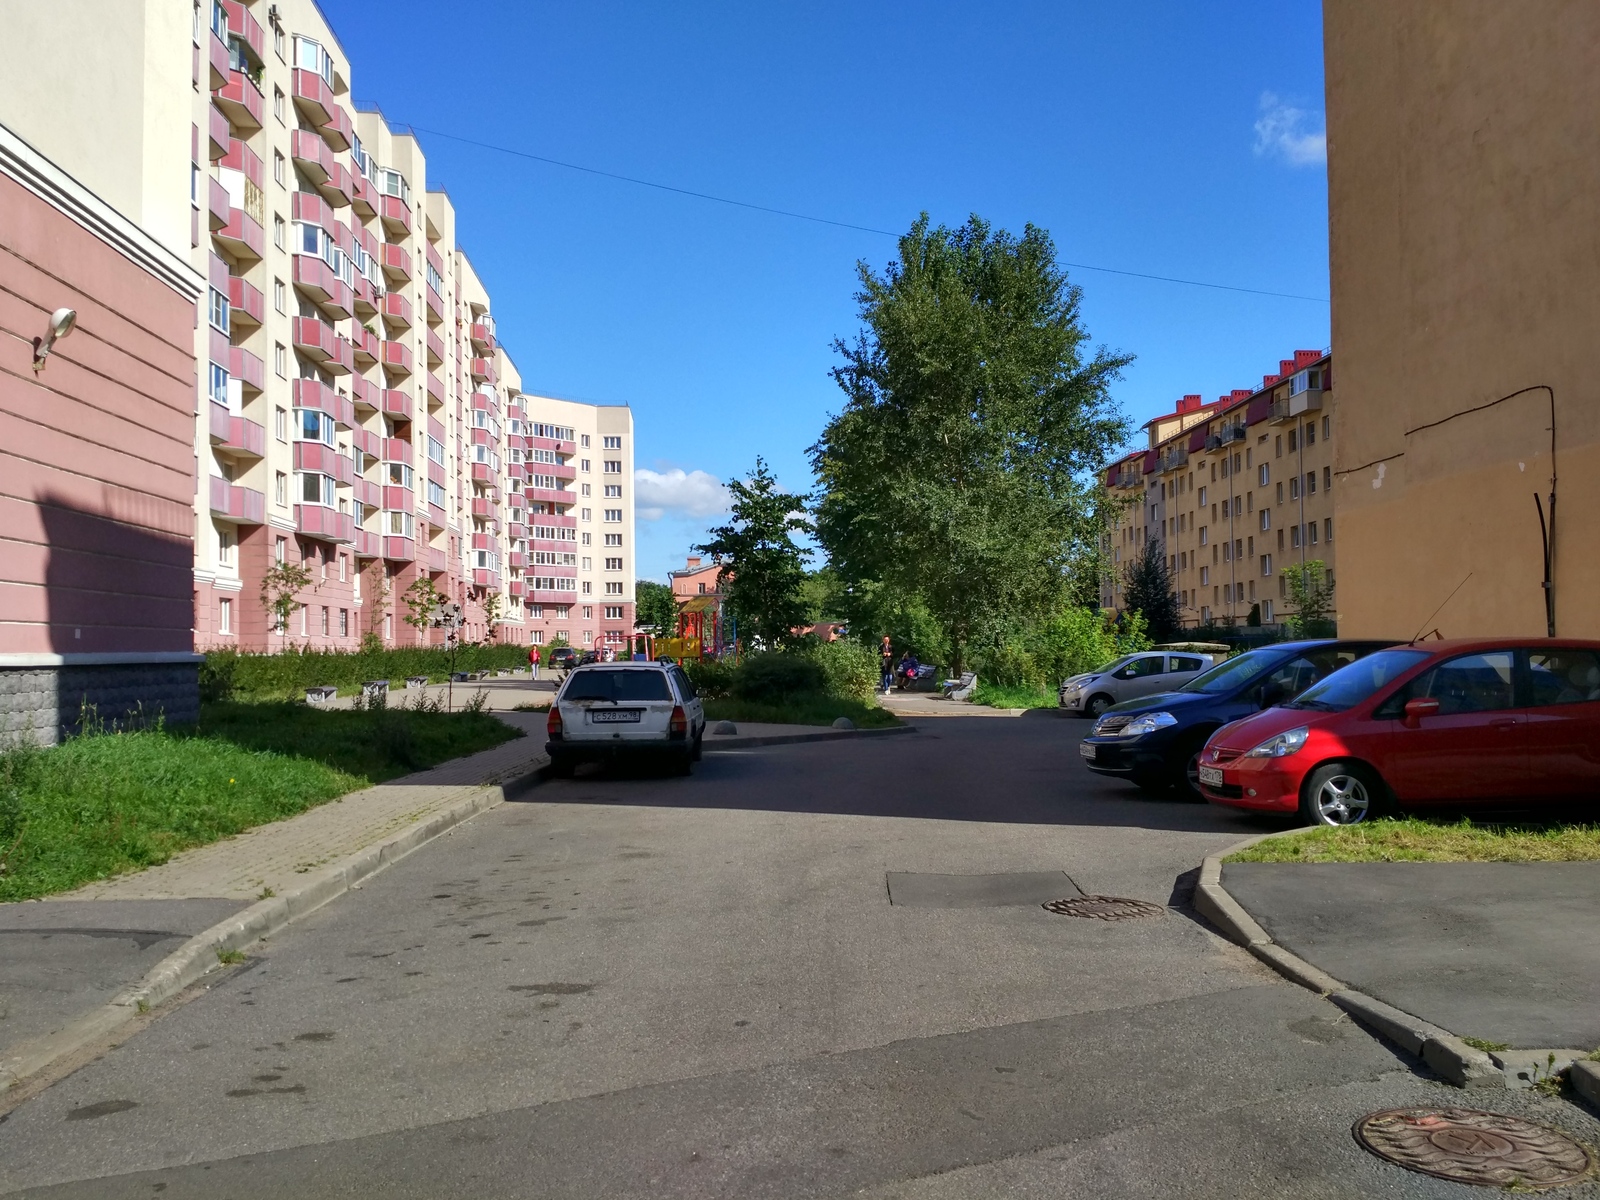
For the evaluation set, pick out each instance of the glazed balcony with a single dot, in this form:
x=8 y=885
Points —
x=313 y=97
x=242 y=236
x=317 y=281
x=436 y=560
x=396 y=358
x=482 y=337
x=396 y=310
x=247 y=307
x=221 y=133
x=234 y=503
x=396 y=263
x=548 y=496
x=323 y=523
x=397 y=404
x=248 y=369
x=364 y=344
x=548 y=597
x=482 y=371
x=241 y=103
x=339 y=186
x=435 y=390
x=218 y=204
x=339 y=129
x=435 y=345
x=396 y=214
x=310 y=152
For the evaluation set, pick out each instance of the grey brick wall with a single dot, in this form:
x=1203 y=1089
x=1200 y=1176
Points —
x=44 y=704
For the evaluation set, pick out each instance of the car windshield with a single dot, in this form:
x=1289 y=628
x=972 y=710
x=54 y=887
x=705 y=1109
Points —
x=1235 y=673
x=617 y=686
x=1349 y=686
x=1112 y=665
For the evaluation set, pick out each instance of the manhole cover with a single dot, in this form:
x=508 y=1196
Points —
x=1469 y=1146
x=1104 y=908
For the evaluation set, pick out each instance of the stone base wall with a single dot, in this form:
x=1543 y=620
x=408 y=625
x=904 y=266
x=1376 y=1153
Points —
x=45 y=704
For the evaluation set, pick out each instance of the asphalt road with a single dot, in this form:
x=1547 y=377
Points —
x=640 y=986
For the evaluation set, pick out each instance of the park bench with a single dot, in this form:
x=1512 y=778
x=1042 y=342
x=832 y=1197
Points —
x=375 y=689
x=416 y=681
x=320 y=695
x=960 y=689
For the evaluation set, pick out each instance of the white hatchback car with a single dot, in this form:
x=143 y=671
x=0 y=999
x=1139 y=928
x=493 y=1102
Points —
x=1130 y=677
x=625 y=710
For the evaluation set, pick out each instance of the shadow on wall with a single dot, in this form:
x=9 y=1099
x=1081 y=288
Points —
x=114 y=586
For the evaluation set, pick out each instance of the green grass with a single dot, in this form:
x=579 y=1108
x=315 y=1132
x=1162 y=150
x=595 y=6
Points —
x=999 y=696
x=1416 y=839
x=107 y=803
x=801 y=710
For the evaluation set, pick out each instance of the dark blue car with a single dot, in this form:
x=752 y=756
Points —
x=1155 y=741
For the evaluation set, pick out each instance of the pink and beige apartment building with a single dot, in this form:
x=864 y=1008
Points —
x=1232 y=491
x=341 y=401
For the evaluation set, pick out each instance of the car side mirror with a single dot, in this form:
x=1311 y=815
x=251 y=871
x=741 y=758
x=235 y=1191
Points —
x=1417 y=709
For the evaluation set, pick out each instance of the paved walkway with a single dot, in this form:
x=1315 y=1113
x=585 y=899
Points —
x=931 y=704
x=1504 y=952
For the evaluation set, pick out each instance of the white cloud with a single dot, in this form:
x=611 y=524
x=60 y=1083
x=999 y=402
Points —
x=1280 y=130
x=680 y=492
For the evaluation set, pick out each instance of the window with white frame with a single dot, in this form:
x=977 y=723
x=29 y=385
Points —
x=399 y=475
x=613 y=491
x=436 y=495
x=613 y=589
x=554 y=583
x=316 y=489
x=396 y=524
x=614 y=514
x=1266 y=566
x=614 y=564
x=217 y=310
x=613 y=539
x=314 y=425
x=614 y=612
x=224 y=616
x=218 y=383
x=612 y=443
x=613 y=466
x=225 y=545
x=310 y=56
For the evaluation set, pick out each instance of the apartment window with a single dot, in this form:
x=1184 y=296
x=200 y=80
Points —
x=344 y=620
x=1205 y=575
x=1280 y=493
x=613 y=491
x=1325 y=428
x=1225 y=510
x=613 y=466
x=584 y=489
x=280 y=488
x=613 y=443
x=583 y=463
x=586 y=539
x=277 y=92
x=280 y=296
x=1294 y=536
x=1311 y=533
x=613 y=612
x=613 y=589
x=1327 y=529
x=1311 y=483
x=280 y=231
x=588 y=563
x=613 y=539
x=280 y=550
x=225 y=543
x=1202 y=497
x=1266 y=518
x=588 y=590
x=342 y=567
x=1311 y=433
x=1293 y=444
x=1280 y=539
x=614 y=514
x=1262 y=474
x=1280 y=446
x=217 y=310
x=1227 y=551
x=224 y=616
x=1266 y=566
x=1294 y=488
x=304 y=618
x=584 y=514
x=1205 y=533
x=584 y=442
x=614 y=564
x=218 y=377
x=1327 y=479
x=278 y=166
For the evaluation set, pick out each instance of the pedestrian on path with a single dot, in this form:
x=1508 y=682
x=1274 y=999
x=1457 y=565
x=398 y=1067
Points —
x=533 y=662
x=886 y=658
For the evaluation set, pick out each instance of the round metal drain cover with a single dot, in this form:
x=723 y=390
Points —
x=1468 y=1146
x=1104 y=908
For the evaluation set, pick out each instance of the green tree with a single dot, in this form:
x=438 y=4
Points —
x=655 y=608
x=962 y=469
x=1311 y=594
x=1147 y=589
x=421 y=600
x=762 y=568
x=823 y=596
x=491 y=615
x=280 y=585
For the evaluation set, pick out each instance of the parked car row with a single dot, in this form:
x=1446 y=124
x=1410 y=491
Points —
x=1340 y=730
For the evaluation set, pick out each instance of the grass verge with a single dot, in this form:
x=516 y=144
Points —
x=801 y=710
x=107 y=803
x=1416 y=839
x=997 y=696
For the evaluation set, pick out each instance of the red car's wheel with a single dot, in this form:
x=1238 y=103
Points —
x=1341 y=794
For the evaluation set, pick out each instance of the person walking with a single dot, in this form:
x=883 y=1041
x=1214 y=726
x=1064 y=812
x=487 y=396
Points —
x=886 y=658
x=533 y=662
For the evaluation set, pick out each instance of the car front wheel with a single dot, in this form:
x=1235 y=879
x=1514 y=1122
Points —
x=1340 y=794
x=1096 y=706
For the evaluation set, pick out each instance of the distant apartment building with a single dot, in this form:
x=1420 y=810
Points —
x=353 y=414
x=1231 y=491
x=697 y=578
x=1464 y=233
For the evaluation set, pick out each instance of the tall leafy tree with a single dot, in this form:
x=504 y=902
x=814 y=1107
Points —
x=1147 y=589
x=961 y=468
x=655 y=608
x=763 y=570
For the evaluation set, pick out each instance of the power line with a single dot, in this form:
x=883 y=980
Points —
x=799 y=216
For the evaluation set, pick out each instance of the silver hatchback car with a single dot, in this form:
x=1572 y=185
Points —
x=1130 y=677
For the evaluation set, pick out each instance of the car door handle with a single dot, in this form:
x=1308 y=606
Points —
x=1503 y=723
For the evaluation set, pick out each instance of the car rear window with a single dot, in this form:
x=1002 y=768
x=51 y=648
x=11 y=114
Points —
x=617 y=685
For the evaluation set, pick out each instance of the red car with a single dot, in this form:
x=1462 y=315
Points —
x=1457 y=723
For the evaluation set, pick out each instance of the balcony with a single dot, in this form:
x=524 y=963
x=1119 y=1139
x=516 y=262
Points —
x=482 y=338
x=221 y=134
x=364 y=396
x=397 y=450
x=436 y=560
x=366 y=300
x=516 y=531
x=482 y=371
x=249 y=370
x=318 y=282
x=313 y=337
x=548 y=496
x=515 y=501
x=399 y=549
x=364 y=343
x=436 y=469
x=1292 y=408
x=435 y=390
x=515 y=587
x=338 y=130
x=434 y=260
x=363 y=196
x=485 y=579
x=314 y=456
x=321 y=522
x=484 y=507
x=396 y=310
x=485 y=402
x=435 y=345
x=220 y=60
x=398 y=499
x=234 y=503
x=396 y=263
x=516 y=471
x=247 y=307
x=242 y=25
x=397 y=404
x=242 y=236
x=247 y=162
x=368 y=545
x=396 y=214
x=218 y=204
x=435 y=306
x=241 y=104
x=339 y=186
x=313 y=97
x=396 y=357
x=483 y=473
x=560 y=470
x=311 y=153
x=368 y=493
x=436 y=516
x=515 y=560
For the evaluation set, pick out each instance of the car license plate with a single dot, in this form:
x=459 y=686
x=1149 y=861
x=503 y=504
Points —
x=598 y=716
x=1086 y=749
x=1211 y=776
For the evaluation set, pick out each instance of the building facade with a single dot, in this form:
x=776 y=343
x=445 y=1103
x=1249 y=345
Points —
x=1232 y=492
x=1464 y=233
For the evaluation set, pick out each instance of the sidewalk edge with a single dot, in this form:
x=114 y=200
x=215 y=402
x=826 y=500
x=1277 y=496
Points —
x=1461 y=1064
x=784 y=739
x=202 y=953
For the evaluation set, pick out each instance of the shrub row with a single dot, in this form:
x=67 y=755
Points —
x=844 y=669
x=228 y=674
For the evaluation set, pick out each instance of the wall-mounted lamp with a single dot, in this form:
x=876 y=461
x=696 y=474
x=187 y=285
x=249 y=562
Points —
x=62 y=322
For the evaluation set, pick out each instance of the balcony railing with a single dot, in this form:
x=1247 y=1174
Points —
x=1291 y=408
x=365 y=345
x=368 y=545
x=314 y=337
x=242 y=236
x=234 y=503
x=436 y=560
x=338 y=129
x=340 y=186
x=435 y=390
x=396 y=357
x=220 y=134
x=310 y=152
x=399 y=549
x=363 y=196
x=244 y=26
x=315 y=456
x=482 y=338
x=241 y=103
x=398 y=499
x=396 y=263
x=218 y=205
x=397 y=404
x=436 y=516
x=364 y=394
x=396 y=214
x=397 y=450
x=319 y=521
x=482 y=507
x=435 y=306
x=515 y=587
x=313 y=97
x=219 y=60
x=316 y=280
x=482 y=370
x=247 y=368
x=396 y=310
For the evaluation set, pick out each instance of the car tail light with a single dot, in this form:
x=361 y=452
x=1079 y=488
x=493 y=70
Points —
x=678 y=726
x=552 y=726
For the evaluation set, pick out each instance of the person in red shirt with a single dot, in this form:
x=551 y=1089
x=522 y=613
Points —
x=533 y=662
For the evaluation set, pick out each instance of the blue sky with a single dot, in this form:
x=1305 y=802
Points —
x=1168 y=138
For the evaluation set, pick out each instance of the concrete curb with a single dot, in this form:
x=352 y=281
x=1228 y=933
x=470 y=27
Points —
x=1447 y=1054
x=785 y=739
x=203 y=953
x=1584 y=1076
